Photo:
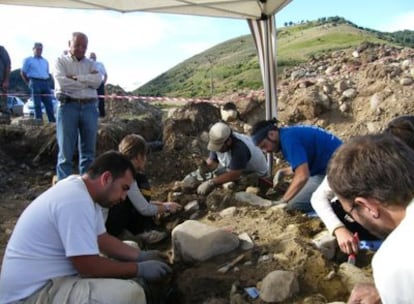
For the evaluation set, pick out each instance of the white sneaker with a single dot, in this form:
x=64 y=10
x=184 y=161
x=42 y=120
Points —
x=152 y=236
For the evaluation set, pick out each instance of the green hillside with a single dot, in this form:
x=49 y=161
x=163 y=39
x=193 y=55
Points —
x=233 y=65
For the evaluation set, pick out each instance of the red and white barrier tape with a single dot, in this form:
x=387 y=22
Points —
x=130 y=98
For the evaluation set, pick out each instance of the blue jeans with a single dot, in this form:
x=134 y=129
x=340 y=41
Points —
x=76 y=123
x=101 y=106
x=3 y=101
x=40 y=91
x=301 y=201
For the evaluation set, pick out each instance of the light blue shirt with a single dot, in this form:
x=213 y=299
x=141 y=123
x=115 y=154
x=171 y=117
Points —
x=36 y=67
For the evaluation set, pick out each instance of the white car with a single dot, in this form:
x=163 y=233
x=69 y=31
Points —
x=15 y=105
x=29 y=109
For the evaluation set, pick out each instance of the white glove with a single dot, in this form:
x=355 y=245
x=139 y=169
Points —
x=279 y=202
x=205 y=187
x=278 y=177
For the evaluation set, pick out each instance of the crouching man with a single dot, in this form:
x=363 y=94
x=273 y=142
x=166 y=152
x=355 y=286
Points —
x=233 y=154
x=373 y=177
x=53 y=255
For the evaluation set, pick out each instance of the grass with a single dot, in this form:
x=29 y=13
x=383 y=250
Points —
x=233 y=65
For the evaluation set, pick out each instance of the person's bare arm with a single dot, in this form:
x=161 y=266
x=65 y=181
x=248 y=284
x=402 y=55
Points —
x=346 y=240
x=227 y=177
x=364 y=293
x=95 y=266
x=115 y=248
x=300 y=178
x=164 y=207
x=24 y=77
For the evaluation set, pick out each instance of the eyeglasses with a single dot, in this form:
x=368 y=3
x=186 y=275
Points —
x=348 y=215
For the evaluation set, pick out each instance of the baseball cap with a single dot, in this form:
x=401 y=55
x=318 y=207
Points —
x=37 y=45
x=218 y=135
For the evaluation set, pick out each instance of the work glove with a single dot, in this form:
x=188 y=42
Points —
x=278 y=178
x=152 y=271
x=146 y=255
x=281 y=203
x=205 y=187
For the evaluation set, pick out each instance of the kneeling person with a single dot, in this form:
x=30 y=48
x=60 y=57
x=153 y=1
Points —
x=53 y=255
x=235 y=153
x=373 y=177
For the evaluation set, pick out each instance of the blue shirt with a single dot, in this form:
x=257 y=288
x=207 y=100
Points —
x=36 y=67
x=308 y=144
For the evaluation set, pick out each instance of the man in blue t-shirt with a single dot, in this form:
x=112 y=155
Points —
x=307 y=149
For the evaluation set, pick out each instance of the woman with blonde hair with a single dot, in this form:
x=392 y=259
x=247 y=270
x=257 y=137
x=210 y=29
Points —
x=136 y=214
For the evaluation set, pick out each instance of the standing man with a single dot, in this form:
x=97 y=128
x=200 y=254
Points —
x=101 y=89
x=76 y=79
x=307 y=149
x=4 y=85
x=35 y=73
x=53 y=255
x=373 y=177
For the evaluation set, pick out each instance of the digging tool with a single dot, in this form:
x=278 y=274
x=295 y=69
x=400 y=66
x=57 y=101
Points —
x=352 y=256
x=231 y=264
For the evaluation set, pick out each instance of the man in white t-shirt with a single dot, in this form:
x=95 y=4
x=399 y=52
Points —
x=373 y=177
x=53 y=255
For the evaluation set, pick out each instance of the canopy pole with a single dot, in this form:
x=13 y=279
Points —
x=264 y=35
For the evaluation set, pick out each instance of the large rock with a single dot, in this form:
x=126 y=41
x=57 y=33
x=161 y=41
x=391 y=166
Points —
x=194 y=241
x=351 y=275
x=278 y=286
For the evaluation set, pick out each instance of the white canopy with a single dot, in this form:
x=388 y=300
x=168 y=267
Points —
x=242 y=9
x=259 y=14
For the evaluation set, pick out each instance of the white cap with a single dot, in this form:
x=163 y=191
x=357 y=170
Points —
x=218 y=135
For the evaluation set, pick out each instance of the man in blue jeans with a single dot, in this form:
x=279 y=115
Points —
x=307 y=149
x=35 y=73
x=77 y=79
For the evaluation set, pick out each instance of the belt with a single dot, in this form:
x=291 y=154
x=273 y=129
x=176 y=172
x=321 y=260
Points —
x=79 y=100
x=63 y=98
x=39 y=79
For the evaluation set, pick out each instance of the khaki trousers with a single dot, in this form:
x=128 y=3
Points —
x=76 y=290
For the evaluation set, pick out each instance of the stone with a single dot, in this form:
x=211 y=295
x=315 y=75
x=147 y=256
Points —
x=194 y=241
x=278 y=286
x=351 y=275
x=326 y=244
x=252 y=199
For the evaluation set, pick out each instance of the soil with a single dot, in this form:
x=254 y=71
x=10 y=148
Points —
x=28 y=154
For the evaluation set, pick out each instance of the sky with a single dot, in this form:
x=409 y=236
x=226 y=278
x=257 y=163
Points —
x=137 y=47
